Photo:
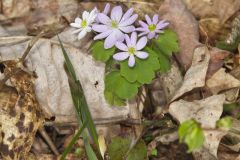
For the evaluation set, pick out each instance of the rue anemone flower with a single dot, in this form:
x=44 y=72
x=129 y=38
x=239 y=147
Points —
x=84 y=25
x=131 y=49
x=105 y=11
x=113 y=28
x=153 y=27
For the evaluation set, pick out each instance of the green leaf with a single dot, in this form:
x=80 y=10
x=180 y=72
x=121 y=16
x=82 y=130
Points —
x=143 y=71
x=167 y=42
x=225 y=122
x=164 y=62
x=118 y=148
x=228 y=46
x=230 y=107
x=139 y=152
x=119 y=86
x=154 y=152
x=100 y=53
x=73 y=141
x=112 y=99
x=191 y=133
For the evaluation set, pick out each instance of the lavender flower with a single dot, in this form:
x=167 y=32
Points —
x=153 y=27
x=84 y=24
x=132 y=49
x=113 y=28
x=105 y=11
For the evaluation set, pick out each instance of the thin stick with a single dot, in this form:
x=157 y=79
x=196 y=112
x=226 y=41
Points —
x=30 y=45
x=48 y=140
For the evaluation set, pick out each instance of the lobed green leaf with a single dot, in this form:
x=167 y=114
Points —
x=119 y=86
x=100 y=53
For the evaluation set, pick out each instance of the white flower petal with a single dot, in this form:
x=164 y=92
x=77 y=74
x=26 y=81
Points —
x=121 y=56
x=143 y=33
x=121 y=46
x=116 y=13
x=148 y=19
x=92 y=16
x=76 y=25
x=88 y=29
x=119 y=35
x=103 y=18
x=128 y=40
x=78 y=20
x=100 y=27
x=131 y=61
x=134 y=39
x=85 y=15
x=141 y=43
x=155 y=19
x=127 y=14
x=106 y=9
x=82 y=34
x=103 y=35
x=110 y=41
x=151 y=35
x=127 y=29
x=76 y=31
x=141 y=54
x=128 y=21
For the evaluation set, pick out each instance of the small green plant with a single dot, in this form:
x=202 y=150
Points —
x=191 y=133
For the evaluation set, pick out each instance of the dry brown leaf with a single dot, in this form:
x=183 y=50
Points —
x=195 y=76
x=221 y=9
x=222 y=81
x=211 y=30
x=171 y=81
x=216 y=60
x=206 y=112
x=52 y=15
x=14 y=8
x=186 y=26
x=52 y=88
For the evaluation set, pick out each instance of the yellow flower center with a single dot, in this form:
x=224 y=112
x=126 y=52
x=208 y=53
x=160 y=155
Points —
x=152 y=27
x=114 y=24
x=131 y=50
x=84 y=24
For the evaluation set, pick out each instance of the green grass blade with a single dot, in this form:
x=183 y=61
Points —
x=79 y=99
x=67 y=61
x=73 y=141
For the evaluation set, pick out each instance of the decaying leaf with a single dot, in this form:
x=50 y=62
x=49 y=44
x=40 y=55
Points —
x=14 y=8
x=206 y=112
x=221 y=81
x=171 y=81
x=52 y=88
x=216 y=60
x=195 y=76
x=211 y=30
x=186 y=26
x=221 y=9
x=20 y=113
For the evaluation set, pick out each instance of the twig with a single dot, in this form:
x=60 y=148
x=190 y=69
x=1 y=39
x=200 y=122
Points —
x=30 y=45
x=48 y=140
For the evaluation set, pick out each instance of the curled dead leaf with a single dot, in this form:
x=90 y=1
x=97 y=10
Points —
x=221 y=81
x=196 y=74
x=220 y=9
